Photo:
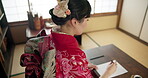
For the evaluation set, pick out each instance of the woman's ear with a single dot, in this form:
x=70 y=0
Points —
x=74 y=22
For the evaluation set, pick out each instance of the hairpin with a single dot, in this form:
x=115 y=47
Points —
x=61 y=10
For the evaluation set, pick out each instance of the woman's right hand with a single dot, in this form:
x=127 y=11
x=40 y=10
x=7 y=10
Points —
x=110 y=70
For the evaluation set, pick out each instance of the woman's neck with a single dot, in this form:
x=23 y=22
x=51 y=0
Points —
x=67 y=29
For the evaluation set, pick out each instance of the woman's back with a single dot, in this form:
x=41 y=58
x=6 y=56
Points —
x=70 y=60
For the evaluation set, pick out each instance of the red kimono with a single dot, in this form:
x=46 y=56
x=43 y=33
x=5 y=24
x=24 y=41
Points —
x=71 y=61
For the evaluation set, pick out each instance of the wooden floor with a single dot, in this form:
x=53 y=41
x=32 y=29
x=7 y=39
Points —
x=130 y=46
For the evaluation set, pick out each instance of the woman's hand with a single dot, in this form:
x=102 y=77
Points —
x=92 y=66
x=110 y=70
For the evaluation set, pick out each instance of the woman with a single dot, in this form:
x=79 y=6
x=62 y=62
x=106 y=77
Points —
x=71 y=16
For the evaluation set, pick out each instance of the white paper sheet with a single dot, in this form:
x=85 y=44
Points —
x=120 y=69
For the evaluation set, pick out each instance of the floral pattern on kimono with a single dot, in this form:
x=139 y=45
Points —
x=71 y=61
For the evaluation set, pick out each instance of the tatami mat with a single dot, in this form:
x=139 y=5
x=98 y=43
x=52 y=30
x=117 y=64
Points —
x=129 y=45
x=19 y=76
x=87 y=43
x=16 y=68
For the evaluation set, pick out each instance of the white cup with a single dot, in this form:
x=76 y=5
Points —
x=136 y=76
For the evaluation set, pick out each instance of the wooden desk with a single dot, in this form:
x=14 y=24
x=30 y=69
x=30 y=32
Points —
x=111 y=52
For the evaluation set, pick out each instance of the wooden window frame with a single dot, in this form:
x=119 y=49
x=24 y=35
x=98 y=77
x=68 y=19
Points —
x=118 y=11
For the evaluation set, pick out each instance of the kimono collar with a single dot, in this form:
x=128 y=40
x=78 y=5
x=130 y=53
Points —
x=58 y=30
x=63 y=40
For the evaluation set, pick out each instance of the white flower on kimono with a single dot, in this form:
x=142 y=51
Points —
x=65 y=65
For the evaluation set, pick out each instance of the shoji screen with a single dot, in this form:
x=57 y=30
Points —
x=132 y=15
x=144 y=33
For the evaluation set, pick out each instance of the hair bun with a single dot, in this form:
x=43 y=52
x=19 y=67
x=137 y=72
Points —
x=58 y=20
x=78 y=9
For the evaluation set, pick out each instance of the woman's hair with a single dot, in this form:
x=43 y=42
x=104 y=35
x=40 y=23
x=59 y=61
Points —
x=79 y=9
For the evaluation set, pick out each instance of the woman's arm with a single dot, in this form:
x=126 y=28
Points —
x=110 y=70
x=92 y=66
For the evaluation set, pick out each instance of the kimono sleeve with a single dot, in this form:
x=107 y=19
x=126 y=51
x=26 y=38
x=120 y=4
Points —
x=74 y=64
x=31 y=59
